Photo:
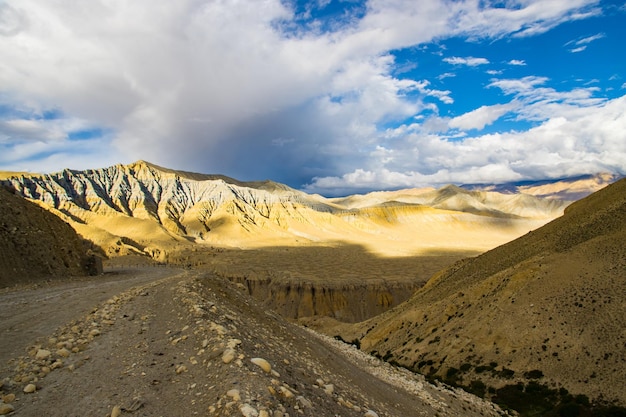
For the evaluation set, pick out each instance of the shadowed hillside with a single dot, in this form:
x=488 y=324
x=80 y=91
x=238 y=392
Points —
x=545 y=311
x=35 y=245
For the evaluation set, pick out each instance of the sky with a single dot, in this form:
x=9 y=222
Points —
x=328 y=96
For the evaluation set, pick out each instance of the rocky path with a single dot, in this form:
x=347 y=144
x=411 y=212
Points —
x=189 y=343
x=32 y=312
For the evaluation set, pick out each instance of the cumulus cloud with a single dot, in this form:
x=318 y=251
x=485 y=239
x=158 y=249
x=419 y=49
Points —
x=257 y=89
x=560 y=146
x=517 y=62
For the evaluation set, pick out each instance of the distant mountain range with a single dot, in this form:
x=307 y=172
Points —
x=571 y=189
x=144 y=208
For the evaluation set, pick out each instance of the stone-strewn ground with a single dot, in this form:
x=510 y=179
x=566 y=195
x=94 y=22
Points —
x=194 y=344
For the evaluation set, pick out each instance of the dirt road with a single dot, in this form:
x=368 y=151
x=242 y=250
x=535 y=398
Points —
x=165 y=342
x=31 y=312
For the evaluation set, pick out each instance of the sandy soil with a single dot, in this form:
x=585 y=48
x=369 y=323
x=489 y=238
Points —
x=167 y=342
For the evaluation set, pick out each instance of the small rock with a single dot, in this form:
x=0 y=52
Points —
x=233 y=343
x=30 y=388
x=180 y=369
x=264 y=413
x=42 y=354
x=94 y=332
x=135 y=404
x=304 y=402
x=6 y=409
x=329 y=389
x=9 y=398
x=286 y=392
x=262 y=363
x=248 y=411
x=116 y=412
x=63 y=352
x=234 y=394
x=370 y=413
x=228 y=356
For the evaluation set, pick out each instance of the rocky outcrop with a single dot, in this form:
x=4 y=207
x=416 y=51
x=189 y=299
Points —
x=36 y=245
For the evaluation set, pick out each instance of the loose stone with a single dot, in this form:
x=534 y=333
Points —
x=64 y=353
x=42 y=354
x=6 y=409
x=30 y=388
x=370 y=413
x=286 y=392
x=228 y=356
x=9 y=398
x=304 y=402
x=248 y=411
x=234 y=394
x=116 y=412
x=233 y=343
x=262 y=363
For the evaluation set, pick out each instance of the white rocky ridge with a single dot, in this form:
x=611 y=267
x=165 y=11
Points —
x=148 y=207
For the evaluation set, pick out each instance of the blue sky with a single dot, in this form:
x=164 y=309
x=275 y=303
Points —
x=328 y=96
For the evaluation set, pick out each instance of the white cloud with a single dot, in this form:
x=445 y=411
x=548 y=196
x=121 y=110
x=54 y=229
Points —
x=446 y=75
x=538 y=103
x=481 y=117
x=517 y=62
x=557 y=147
x=470 y=61
x=581 y=44
x=589 y=39
x=212 y=85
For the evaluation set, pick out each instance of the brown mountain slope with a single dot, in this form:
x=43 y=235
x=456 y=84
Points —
x=34 y=244
x=551 y=302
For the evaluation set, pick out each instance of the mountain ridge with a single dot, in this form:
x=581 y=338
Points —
x=145 y=208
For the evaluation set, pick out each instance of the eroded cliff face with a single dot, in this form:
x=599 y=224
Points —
x=349 y=302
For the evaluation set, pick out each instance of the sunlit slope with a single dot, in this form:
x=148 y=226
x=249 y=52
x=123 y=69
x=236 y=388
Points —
x=142 y=207
x=551 y=301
